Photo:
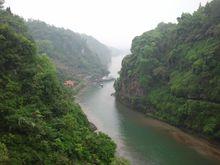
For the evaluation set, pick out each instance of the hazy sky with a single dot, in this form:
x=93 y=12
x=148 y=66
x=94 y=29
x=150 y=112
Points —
x=113 y=22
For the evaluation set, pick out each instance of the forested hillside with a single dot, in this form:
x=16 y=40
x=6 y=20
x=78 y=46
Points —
x=75 y=55
x=102 y=51
x=173 y=72
x=39 y=122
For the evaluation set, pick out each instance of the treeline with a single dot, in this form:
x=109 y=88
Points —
x=173 y=72
x=39 y=122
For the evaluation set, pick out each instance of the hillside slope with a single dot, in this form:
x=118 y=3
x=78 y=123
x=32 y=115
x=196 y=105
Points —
x=101 y=50
x=74 y=54
x=173 y=72
x=39 y=122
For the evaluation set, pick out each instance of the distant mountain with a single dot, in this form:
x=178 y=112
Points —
x=75 y=55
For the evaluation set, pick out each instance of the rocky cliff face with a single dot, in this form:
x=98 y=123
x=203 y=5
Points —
x=131 y=88
x=173 y=72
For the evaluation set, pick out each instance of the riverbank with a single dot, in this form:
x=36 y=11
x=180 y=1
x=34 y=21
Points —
x=199 y=144
x=185 y=136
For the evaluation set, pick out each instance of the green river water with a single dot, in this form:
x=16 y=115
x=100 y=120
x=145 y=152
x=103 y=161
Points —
x=142 y=140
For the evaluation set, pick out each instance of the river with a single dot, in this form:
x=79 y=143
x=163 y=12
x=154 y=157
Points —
x=142 y=140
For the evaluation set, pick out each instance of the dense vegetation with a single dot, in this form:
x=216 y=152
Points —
x=173 y=72
x=75 y=55
x=39 y=122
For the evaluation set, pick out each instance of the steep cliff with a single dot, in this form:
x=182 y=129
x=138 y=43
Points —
x=173 y=72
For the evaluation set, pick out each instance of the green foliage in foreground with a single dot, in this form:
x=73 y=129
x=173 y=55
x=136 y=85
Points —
x=39 y=124
x=174 y=72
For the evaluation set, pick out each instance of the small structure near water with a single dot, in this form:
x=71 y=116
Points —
x=70 y=83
